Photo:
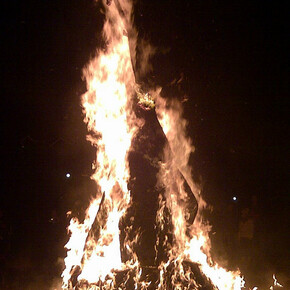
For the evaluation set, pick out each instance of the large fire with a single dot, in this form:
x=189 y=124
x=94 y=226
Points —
x=105 y=250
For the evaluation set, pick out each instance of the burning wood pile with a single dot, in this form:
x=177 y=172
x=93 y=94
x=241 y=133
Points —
x=143 y=228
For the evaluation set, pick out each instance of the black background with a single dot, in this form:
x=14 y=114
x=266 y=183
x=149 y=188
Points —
x=232 y=58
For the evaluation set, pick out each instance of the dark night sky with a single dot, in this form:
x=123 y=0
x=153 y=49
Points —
x=233 y=59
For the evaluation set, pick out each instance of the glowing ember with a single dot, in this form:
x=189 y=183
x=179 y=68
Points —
x=101 y=253
x=276 y=283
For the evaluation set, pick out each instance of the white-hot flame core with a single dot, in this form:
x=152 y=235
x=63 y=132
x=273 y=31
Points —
x=106 y=253
x=77 y=240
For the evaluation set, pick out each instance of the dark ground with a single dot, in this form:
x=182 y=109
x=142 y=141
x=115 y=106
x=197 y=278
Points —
x=234 y=63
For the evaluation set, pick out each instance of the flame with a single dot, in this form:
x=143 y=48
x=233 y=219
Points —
x=190 y=243
x=94 y=255
x=106 y=105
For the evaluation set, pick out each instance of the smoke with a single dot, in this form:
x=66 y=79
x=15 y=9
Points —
x=56 y=284
x=145 y=53
x=141 y=51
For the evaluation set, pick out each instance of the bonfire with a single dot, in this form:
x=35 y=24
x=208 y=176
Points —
x=144 y=227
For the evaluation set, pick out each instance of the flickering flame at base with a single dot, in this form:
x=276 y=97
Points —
x=94 y=258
